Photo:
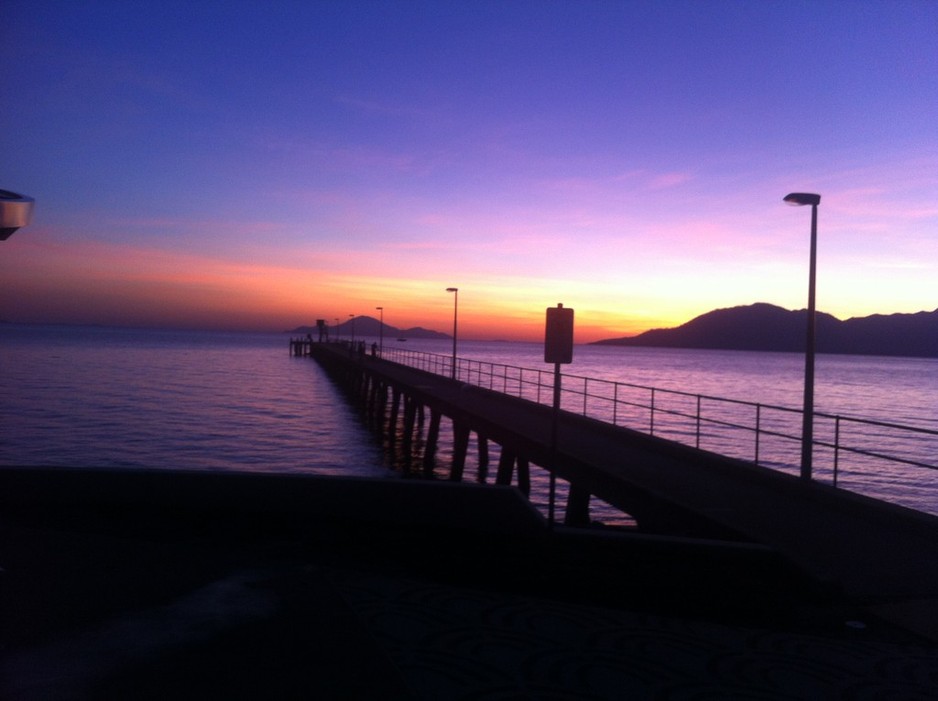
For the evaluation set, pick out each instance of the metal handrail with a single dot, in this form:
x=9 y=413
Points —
x=616 y=403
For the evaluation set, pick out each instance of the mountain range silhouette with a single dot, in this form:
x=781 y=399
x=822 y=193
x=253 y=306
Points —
x=766 y=327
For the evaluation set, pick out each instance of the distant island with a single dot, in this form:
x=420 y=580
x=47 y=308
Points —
x=369 y=326
x=766 y=327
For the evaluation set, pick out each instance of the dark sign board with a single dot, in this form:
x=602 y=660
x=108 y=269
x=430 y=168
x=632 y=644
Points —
x=558 y=339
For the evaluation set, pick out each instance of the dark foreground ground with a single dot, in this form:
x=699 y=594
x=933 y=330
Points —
x=135 y=586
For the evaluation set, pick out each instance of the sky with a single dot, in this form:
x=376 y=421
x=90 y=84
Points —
x=229 y=164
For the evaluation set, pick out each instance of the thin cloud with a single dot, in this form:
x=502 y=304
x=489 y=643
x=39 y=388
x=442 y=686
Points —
x=669 y=180
x=383 y=108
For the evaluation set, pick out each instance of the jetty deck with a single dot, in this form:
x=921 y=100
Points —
x=873 y=551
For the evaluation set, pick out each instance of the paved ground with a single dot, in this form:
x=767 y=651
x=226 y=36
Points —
x=204 y=603
x=304 y=631
x=464 y=644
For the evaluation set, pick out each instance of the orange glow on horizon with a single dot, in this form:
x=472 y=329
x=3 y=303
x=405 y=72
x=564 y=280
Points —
x=49 y=280
x=98 y=283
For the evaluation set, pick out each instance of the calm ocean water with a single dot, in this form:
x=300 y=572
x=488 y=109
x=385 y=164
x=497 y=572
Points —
x=203 y=401
x=79 y=396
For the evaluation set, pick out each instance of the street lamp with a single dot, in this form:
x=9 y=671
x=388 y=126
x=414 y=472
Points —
x=807 y=426
x=381 y=332
x=352 y=317
x=338 y=332
x=455 y=291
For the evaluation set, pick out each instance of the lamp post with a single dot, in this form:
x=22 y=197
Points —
x=455 y=291
x=338 y=333
x=807 y=426
x=381 y=332
x=352 y=317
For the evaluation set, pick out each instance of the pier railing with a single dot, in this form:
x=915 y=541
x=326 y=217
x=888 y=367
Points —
x=848 y=452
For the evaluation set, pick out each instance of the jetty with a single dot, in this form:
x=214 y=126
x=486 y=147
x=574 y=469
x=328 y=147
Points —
x=869 y=549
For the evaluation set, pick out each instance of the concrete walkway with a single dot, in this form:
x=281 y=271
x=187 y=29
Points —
x=154 y=585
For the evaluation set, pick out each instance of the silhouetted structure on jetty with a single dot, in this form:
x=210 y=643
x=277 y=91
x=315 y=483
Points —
x=301 y=346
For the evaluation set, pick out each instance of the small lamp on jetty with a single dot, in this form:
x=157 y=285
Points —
x=381 y=331
x=807 y=426
x=352 y=319
x=455 y=291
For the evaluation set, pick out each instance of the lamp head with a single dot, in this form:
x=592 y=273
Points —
x=15 y=211
x=800 y=198
x=452 y=289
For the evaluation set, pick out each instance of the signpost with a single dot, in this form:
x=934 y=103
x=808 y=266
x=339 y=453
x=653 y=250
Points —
x=558 y=349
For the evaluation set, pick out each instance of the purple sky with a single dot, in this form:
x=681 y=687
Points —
x=264 y=164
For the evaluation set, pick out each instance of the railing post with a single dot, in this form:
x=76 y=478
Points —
x=698 y=423
x=651 y=427
x=586 y=385
x=615 y=403
x=836 y=448
x=758 y=428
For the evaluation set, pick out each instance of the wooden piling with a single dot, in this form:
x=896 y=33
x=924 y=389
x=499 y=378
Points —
x=403 y=425
x=506 y=466
x=392 y=420
x=524 y=476
x=483 y=473
x=578 y=507
x=410 y=412
x=433 y=435
x=460 y=448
